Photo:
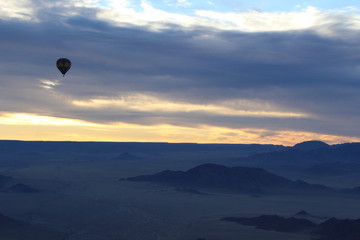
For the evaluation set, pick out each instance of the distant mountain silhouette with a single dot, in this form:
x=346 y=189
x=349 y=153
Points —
x=355 y=190
x=20 y=147
x=337 y=156
x=4 y=180
x=335 y=229
x=12 y=185
x=310 y=145
x=322 y=170
x=302 y=213
x=11 y=229
x=306 y=215
x=127 y=156
x=21 y=188
x=7 y=222
x=222 y=178
x=331 y=229
x=274 y=223
x=191 y=191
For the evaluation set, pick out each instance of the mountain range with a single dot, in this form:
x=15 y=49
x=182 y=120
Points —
x=311 y=151
x=12 y=185
x=314 y=161
x=330 y=229
x=11 y=229
x=35 y=147
x=222 y=178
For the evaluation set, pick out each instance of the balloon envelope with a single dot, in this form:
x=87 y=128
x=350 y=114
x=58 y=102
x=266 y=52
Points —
x=63 y=64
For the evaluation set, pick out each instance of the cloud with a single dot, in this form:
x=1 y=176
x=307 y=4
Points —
x=144 y=103
x=31 y=119
x=21 y=9
x=178 y=3
x=150 y=67
x=304 y=18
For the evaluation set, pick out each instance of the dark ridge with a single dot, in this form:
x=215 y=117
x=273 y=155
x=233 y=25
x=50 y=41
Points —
x=21 y=188
x=302 y=213
x=8 y=146
x=321 y=170
x=344 y=153
x=356 y=190
x=331 y=229
x=7 y=222
x=310 y=145
x=222 y=178
x=335 y=229
x=305 y=214
x=274 y=223
x=4 y=180
x=11 y=229
x=127 y=156
x=191 y=191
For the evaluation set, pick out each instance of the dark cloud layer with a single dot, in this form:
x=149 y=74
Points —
x=300 y=71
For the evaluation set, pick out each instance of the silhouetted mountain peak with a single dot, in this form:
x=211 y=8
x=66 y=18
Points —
x=302 y=213
x=310 y=145
x=219 y=177
x=305 y=214
x=208 y=167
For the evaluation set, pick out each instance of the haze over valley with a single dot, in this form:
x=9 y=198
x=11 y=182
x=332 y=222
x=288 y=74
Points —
x=89 y=190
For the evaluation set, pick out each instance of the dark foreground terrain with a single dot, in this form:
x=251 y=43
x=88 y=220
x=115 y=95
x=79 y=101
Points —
x=330 y=229
x=71 y=190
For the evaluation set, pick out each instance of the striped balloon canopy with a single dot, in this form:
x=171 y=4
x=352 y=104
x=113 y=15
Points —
x=63 y=64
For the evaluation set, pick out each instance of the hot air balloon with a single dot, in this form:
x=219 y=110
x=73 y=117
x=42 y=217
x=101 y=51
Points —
x=63 y=64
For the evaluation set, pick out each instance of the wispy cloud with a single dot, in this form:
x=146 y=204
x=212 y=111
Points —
x=32 y=119
x=144 y=103
x=22 y=9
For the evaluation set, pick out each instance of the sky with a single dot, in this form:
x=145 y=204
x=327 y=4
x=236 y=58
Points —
x=269 y=72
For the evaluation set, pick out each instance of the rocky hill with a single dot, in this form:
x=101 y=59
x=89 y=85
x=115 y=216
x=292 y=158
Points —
x=310 y=145
x=223 y=178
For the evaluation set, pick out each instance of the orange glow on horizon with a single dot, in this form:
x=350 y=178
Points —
x=21 y=126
